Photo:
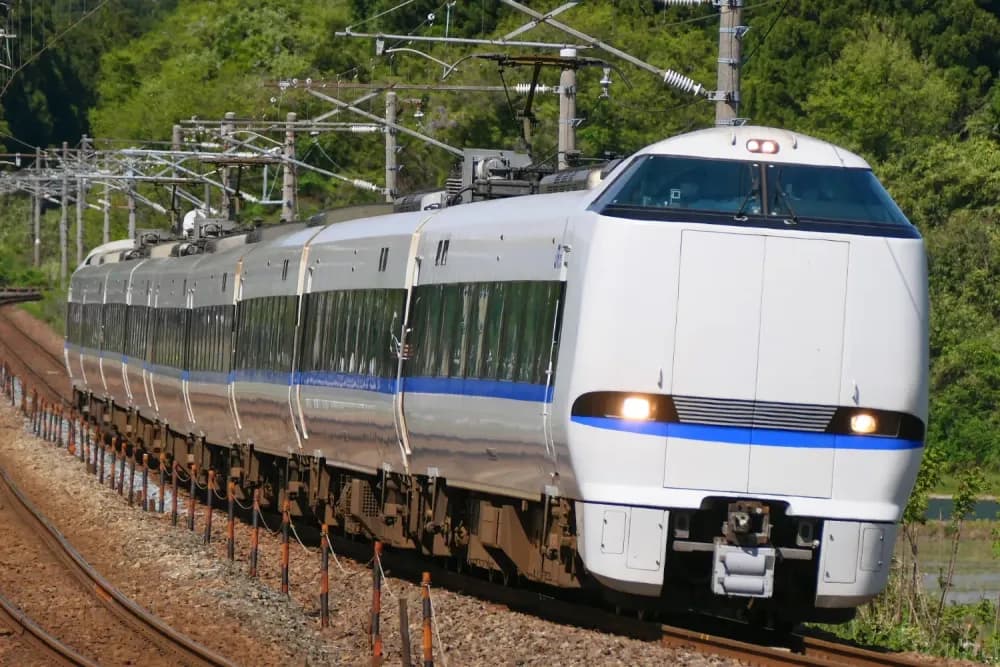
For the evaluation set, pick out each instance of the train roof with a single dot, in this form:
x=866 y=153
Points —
x=734 y=143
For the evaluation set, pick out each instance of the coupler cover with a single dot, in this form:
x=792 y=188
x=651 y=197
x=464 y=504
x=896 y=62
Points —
x=743 y=571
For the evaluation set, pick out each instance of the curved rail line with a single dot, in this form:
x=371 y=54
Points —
x=58 y=391
x=131 y=613
x=800 y=650
x=54 y=649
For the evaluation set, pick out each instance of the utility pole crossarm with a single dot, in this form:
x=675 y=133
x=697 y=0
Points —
x=669 y=76
x=382 y=121
x=461 y=40
x=531 y=24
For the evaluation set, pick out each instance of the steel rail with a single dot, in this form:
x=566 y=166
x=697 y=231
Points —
x=56 y=359
x=57 y=390
x=804 y=650
x=834 y=652
x=36 y=635
x=129 y=611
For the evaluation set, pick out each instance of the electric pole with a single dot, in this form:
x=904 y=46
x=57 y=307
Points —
x=226 y=130
x=131 y=205
x=106 y=236
x=37 y=226
x=727 y=95
x=288 y=181
x=567 y=108
x=391 y=164
x=64 y=215
x=175 y=214
x=81 y=195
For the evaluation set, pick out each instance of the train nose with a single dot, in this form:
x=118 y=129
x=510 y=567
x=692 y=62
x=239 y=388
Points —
x=757 y=355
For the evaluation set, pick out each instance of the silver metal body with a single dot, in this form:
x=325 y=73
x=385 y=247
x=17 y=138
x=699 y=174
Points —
x=781 y=323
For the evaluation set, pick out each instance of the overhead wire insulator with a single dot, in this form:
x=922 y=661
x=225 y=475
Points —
x=365 y=185
x=687 y=3
x=681 y=82
x=365 y=129
x=525 y=88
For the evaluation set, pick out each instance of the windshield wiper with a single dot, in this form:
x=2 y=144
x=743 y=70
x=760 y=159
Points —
x=778 y=190
x=740 y=215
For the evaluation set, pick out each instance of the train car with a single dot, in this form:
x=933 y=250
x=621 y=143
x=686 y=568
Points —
x=701 y=384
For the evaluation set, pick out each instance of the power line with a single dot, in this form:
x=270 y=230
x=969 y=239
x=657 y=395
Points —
x=781 y=13
x=52 y=41
x=20 y=141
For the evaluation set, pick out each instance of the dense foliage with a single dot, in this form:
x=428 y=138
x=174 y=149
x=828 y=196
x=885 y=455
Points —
x=910 y=85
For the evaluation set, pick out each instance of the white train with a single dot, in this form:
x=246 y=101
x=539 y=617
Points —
x=700 y=384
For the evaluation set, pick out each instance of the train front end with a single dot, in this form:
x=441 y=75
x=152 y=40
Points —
x=746 y=409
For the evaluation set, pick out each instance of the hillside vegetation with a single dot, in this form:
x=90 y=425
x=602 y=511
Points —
x=912 y=86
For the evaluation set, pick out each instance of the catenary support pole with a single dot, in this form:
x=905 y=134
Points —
x=106 y=232
x=64 y=215
x=288 y=203
x=567 y=109
x=391 y=163
x=37 y=214
x=727 y=102
x=81 y=200
x=131 y=205
x=175 y=214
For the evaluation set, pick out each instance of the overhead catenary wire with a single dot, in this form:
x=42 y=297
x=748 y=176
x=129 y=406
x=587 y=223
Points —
x=774 y=22
x=49 y=44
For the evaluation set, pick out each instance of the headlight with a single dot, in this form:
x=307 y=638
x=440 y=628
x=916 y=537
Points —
x=864 y=423
x=636 y=408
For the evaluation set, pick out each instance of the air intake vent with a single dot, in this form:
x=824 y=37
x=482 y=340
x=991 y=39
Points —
x=758 y=414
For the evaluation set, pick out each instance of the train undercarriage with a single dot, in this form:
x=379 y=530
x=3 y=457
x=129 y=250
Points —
x=507 y=539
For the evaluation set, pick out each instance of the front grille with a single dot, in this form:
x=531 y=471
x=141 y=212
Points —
x=757 y=414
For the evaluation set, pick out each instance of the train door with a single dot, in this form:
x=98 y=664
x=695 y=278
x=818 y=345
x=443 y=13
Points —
x=561 y=263
x=304 y=290
x=236 y=342
x=185 y=382
x=147 y=333
x=403 y=353
x=129 y=334
x=101 y=344
x=152 y=333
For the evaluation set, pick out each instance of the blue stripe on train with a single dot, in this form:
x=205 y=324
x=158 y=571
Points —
x=515 y=391
x=736 y=435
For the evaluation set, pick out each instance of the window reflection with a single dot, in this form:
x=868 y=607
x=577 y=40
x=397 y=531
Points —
x=733 y=187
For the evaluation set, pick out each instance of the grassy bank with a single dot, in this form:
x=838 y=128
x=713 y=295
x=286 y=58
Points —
x=51 y=309
x=949 y=483
x=914 y=616
x=907 y=618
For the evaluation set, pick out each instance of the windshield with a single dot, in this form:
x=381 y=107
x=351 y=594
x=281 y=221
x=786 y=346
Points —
x=687 y=183
x=653 y=186
x=829 y=193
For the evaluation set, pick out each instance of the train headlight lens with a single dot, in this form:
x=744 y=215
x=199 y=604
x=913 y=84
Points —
x=864 y=423
x=636 y=408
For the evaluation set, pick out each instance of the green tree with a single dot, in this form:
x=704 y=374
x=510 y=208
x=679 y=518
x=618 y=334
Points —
x=878 y=99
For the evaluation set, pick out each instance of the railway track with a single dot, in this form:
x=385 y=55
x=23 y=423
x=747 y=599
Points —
x=766 y=650
x=166 y=640
x=44 y=369
x=44 y=642
x=795 y=649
